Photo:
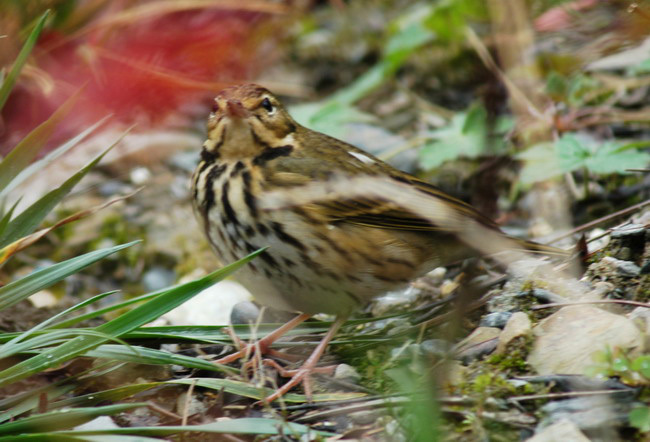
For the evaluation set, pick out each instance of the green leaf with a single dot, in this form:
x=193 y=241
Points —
x=466 y=136
x=62 y=419
x=32 y=399
x=249 y=390
x=31 y=218
x=640 y=418
x=125 y=323
x=143 y=355
x=612 y=158
x=49 y=158
x=249 y=425
x=18 y=290
x=99 y=312
x=642 y=365
x=21 y=59
x=27 y=149
x=44 y=324
x=570 y=153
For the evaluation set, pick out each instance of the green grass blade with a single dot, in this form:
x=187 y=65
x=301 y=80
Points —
x=33 y=399
x=27 y=149
x=31 y=218
x=102 y=311
x=45 y=323
x=62 y=419
x=249 y=425
x=56 y=437
x=49 y=158
x=169 y=300
x=10 y=80
x=51 y=338
x=18 y=290
x=144 y=355
x=4 y=222
x=137 y=317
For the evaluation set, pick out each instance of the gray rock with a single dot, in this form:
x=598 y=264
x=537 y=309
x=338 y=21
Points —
x=435 y=347
x=158 y=278
x=629 y=231
x=185 y=161
x=547 y=296
x=245 y=312
x=395 y=300
x=566 y=340
x=563 y=429
x=518 y=325
x=599 y=415
x=347 y=373
x=110 y=188
x=627 y=268
x=481 y=341
x=496 y=319
x=645 y=268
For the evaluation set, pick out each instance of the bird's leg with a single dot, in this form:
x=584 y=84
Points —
x=264 y=344
x=303 y=373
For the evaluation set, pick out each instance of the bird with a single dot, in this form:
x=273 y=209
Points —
x=324 y=256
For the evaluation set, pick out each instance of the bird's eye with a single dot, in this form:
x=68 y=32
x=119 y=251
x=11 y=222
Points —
x=266 y=104
x=215 y=107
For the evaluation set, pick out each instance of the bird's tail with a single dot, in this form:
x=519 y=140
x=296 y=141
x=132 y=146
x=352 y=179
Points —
x=531 y=246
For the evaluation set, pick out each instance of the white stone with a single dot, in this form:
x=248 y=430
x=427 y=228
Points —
x=210 y=307
x=518 y=325
x=567 y=339
x=43 y=299
x=563 y=430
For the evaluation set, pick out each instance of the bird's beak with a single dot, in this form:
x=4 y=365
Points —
x=234 y=108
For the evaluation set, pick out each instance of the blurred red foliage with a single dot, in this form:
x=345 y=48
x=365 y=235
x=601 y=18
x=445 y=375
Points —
x=153 y=68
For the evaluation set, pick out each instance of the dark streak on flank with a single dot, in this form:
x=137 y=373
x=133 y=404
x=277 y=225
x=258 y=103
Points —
x=227 y=208
x=222 y=237
x=387 y=279
x=401 y=262
x=344 y=253
x=271 y=153
x=288 y=262
x=238 y=168
x=369 y=258
x=208 y=198
x=267 y=258
x=285 y=237
x=249 y=199
x=353 y=296
x=250 y=248
x=294 y=279
x=208 y=156
x=352 y=278
x=263 y=229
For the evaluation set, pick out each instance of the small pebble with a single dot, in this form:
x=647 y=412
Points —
x=435 y=347
x=437 y=274
x=185 y=161
x=630 y=231
x=347 y=373
x=624 y=268
x=496 y=319
x=245 y=312
x=139 y=175
x=645 y=269
x=110 y=188
x=547 y=296
x=158 y=278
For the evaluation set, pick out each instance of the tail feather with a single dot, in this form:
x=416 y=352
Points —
x=531 y=246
